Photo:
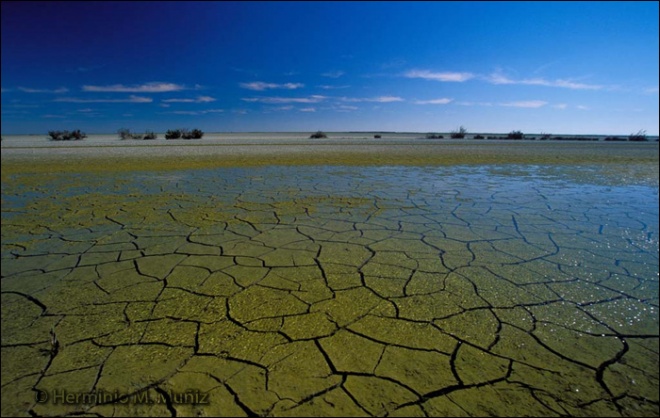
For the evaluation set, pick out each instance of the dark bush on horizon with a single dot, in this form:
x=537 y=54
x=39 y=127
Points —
x=66 y=135
x=318 y=135
x=184 y=134
x=639 y=136
x=459 y=134
x=194 y=134
x=173 y=134
x=434 y=136
x=125 y=133
x=378 y=136
x=515 y=135
x=479 y=137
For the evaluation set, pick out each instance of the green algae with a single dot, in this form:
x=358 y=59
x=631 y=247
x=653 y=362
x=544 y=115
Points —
x=313 y=291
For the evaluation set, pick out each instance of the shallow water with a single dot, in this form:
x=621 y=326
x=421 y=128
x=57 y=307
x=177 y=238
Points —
x=455 y=290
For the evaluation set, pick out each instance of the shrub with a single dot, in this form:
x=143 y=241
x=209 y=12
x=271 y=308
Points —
x=639 y=136
x=77 y=135
x=459 y=134
x=478 y=137
x=124 y=133
x=377 y=136
x=434 y=136
x=318 y=135
x=194 y=134
x=173 y=134
x=66 y=135
x=150 y=135
x=515 y=135
x=55 y=135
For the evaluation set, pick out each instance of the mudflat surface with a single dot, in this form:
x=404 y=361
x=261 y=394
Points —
x=107 y=153
x=443 y=289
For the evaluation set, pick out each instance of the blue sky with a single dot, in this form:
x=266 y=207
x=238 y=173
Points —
x=558 y=67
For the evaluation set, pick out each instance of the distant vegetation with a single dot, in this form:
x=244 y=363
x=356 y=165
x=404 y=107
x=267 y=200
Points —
x=173 y=134
x=515 y=135
x=434 y=136
x=125 y=133
x=639 y=136
x=459 y=134
x=184 y=134
x=66 y=135
x=318 y=135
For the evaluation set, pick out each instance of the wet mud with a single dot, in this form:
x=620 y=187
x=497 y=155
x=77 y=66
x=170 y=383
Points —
x=318 y=290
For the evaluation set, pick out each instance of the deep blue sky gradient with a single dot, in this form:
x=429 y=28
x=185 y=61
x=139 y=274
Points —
x=555 y=67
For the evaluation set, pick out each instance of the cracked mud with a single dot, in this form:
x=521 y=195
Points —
x=366 y=291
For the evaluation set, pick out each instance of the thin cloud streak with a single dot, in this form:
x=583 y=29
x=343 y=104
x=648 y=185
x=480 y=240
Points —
x=261 y=86
x=155 y=87
x=381 y=99
x=284 y=100
x=53 y=91
x=333 y=74
x=130 y=99
x=329 y=87
x=449 y=77
x=530 y=104
x=498 y=78
x=442 y=101
x=199 y=99
x=194 y=112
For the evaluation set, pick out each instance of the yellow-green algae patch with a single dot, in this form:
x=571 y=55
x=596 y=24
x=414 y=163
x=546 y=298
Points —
x=331 y=291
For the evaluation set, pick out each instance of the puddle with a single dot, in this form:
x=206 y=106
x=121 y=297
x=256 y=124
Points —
x=313 y=290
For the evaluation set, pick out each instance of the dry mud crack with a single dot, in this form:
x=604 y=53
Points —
x=329 y=291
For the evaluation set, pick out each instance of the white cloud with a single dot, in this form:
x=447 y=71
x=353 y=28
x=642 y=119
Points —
x=155 y=87
x=442 y=101
x=195 y=112
x=199 y=99
x=560 y=106
x=55 y=91
x=333 y=74
x=184 y=112
x=261 y=86
x=346 y=108
x=130 y=99
x=380 y=99
x=651 y=90
x=530 y=104
x=474 y=103
x=328 y=87
x=308 y=109
x=282 y=100
x=499 y=78
x=582 y=107
x=443 y=76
